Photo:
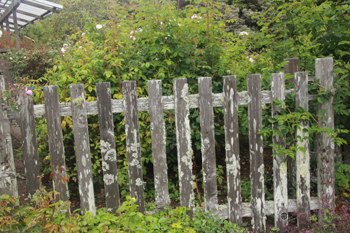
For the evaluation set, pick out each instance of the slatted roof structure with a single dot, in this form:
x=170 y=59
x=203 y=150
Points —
x=17 y=14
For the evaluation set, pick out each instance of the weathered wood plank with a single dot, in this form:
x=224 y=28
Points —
x=143 y=104
x=8 y=181
x=133 y=147
x=29 y=143
x=108 y=151
x=222 y=211
x=82 y=148
x=292 y=67
x=280 y=183
x=256 y=152
x=160 y=168
x=208 y=143
x=233 y=168
x=338 y=154
x=56 y=147
x=324 y=144
x=184 y=144
x=302 y=159
x=347 y=154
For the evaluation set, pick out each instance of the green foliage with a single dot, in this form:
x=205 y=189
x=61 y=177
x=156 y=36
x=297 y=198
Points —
x=151 y=41
x=246 y=188
x=342 y=177
x=31 y=62
x=289 y=121
x=310 y=29
x=42 y=215
x=127 y=219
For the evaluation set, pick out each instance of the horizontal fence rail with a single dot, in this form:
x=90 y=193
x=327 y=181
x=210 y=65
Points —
x=182 y=102
x=143 y=104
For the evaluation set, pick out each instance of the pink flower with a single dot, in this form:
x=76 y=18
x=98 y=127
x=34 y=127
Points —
x=15 y=84
x=29 y=92
x=11 y=90
x=22 y=88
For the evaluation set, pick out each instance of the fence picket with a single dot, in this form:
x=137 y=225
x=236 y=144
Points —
x=133 y=148
x=82 y=148
x=325 y=146
x=280 y=185
x=56 y=148
x=160 y=168
x=233 y=168
x=256 y=152
x=29 y=143
x=108 y=152
x=208 y=143
x=8 y=180
x=292 y=67
x=184 y=144
x=302 y=159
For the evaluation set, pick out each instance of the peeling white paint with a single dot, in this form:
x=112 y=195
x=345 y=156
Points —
x=83 y=161
x=134 y=162
x=108 y=179
x=303 y=171
x=111 y=155
x=139 y=182
x=105 y=166
x=283 y=168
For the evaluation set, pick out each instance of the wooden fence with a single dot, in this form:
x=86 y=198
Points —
x=181 y=102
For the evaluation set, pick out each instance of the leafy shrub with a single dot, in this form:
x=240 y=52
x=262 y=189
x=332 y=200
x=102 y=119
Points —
x=31 y=63
x=342 y=177
x=325 y=219
x=44 y=218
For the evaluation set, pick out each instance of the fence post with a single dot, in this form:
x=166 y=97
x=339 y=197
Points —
x=8 y=181
x=184 y=144
x=256 y=152
x=56 y=147
x=325 y=146
x=280 y=183
x=82 y=148
x=292 y=67
x=302 y=158
x=338 y=154
x=29 y=143
x=133 y=147
x=108 y=152
x=158 y=143
x=233 y=168
x=208 y=143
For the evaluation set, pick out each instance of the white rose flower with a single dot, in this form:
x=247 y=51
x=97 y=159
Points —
x=244 y=33
x=98 y=26
x=196 y=16
x=64 y=48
